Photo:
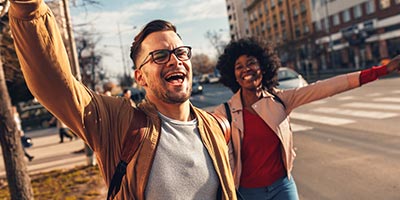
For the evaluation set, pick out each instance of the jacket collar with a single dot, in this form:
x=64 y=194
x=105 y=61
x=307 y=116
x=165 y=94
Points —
x=236 y=100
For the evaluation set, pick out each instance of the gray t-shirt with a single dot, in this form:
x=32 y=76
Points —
x=182 y=167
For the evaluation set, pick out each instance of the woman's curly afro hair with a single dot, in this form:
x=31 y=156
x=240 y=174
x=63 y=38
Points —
x=265 y=54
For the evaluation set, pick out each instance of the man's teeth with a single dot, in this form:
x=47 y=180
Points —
x=175 y=74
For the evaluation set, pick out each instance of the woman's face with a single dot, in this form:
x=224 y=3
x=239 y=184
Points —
x=248 y=72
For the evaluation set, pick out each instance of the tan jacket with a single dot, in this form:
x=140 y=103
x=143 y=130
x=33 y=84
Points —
x=101 y=121
x=276 y=116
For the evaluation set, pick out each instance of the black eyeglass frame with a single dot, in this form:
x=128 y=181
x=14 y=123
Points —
x=170 y=52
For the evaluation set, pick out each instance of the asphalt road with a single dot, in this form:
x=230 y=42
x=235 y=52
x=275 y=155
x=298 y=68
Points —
x=347 y=145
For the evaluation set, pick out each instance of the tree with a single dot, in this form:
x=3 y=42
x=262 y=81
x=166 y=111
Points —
x=17 y=174
x=89 y=58
x=215 y=39
x=202 y=64
x=125 y=80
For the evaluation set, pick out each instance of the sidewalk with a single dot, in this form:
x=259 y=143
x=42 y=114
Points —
x=49 y=153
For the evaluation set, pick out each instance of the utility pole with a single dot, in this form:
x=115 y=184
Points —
x=330 y=47
x=75 y=68
x=71 y=40
x=122 y=51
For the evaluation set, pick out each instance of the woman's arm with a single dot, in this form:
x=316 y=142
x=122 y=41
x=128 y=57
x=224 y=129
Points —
x=321 y=89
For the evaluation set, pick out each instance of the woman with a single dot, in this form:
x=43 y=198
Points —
x=261 y=150
x=17 y=120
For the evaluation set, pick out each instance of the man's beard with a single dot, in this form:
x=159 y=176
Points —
x=173 y=97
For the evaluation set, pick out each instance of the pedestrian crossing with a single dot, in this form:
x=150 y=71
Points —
x=349 y=110
x=388 y=99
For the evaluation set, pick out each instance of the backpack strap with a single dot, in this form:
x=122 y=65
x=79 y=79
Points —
x=276 y=98
x=228 y=112
x=229 y=118
x=131 y=144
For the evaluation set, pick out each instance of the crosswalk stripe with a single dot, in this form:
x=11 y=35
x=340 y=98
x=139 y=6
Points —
x=373 y=106
x=321 y=119
x=356 y=113
x=298 y=127
x=388 y=99
x=376 y=94
x=396 y=92
x=345 y=98
x=319 y=102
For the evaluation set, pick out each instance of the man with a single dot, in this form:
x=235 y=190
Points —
x=183 y=154
x=126 y=93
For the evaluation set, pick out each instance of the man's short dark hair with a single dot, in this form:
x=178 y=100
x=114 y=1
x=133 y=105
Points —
x=151 y=27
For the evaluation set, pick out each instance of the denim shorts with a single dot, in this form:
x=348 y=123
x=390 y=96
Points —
x=282 y=189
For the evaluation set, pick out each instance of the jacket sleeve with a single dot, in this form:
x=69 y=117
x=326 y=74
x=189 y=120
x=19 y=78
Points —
x=44 y=62
x=46 y=68
x=296 y=97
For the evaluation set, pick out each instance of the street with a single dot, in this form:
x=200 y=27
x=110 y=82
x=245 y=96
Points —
x=347 y=146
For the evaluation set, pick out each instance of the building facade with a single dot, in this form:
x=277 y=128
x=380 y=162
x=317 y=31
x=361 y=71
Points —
x=355 y=34
x=238 y=19
x=285 y=23
x=314 y=36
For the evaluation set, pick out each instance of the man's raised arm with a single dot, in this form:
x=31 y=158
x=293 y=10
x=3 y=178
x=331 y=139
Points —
x=44 y=62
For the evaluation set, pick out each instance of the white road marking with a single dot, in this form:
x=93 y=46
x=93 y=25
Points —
x=373 y=106
x=298 y=127
x=321 y=119
x=388 y=99
x=376 y=94
x=396 y=92
x=356 y=113
x=345 y=98
x=319 y=102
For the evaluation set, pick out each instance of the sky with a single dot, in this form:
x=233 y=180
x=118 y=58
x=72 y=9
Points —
x=193 y=18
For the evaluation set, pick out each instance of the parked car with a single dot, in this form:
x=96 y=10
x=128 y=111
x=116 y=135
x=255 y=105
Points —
x=34 y=117
x=204 y=78
x=197 y=88
x=288 y=79
x=212 y=78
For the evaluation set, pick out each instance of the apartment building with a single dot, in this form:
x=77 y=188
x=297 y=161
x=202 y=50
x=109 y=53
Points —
x=285 y=23
x=355 y=34
x=238 y=19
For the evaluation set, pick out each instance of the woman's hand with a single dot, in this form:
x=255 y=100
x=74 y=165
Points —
x=394 y=64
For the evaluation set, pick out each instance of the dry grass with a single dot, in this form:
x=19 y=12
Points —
x=80 y=183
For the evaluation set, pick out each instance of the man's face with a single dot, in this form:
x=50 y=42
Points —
x=170 y=82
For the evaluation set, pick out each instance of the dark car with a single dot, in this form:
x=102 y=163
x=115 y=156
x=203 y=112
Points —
x=137 y=95
x=197 y=88
x=34 y=117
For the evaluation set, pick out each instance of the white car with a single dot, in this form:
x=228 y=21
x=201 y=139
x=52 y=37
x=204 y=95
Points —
x=288 y=78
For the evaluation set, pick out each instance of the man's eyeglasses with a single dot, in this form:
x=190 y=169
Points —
x=162 y=56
